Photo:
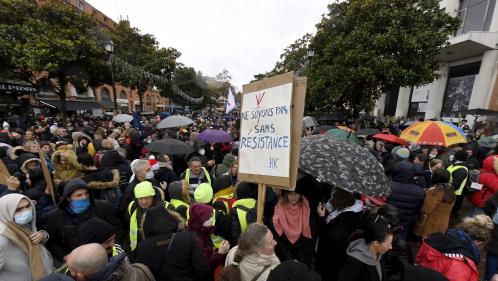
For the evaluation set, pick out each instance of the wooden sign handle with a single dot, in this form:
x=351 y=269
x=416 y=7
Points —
x=261 y=202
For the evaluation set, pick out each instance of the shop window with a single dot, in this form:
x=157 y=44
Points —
x=104 y=94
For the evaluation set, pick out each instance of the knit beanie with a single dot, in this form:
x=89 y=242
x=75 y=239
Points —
x=144 y=189
x=203 y=193
x=95 y=230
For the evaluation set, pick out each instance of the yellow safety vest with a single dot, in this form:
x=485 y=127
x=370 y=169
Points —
x=134 y=225
x=206 y=174
x=241 y=214
x=225 y=200
x=453 y=168
x=215 y=238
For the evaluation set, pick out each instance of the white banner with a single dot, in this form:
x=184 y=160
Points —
x=421 y=94
x=265 y=133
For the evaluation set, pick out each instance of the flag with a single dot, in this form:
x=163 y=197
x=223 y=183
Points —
x=230 y=105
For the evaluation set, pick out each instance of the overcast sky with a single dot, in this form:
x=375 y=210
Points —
x=244 y=36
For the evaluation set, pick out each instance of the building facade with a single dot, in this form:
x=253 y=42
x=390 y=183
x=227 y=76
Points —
x=467 y=75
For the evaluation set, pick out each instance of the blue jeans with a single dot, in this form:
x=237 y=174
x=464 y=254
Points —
x=491 y=266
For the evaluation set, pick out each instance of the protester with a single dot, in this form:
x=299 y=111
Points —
x=101 y=232
x=201 y=222
x=169 y=254
x=76 y=207
x=254 y=257
x=89 y=262
x=341 y=216
x=291 y=222
x=178 y=198
x=195 y=175
x=290 y=271
x=455 y=253
x=488 y=178
x=66 y=166
x=459 y=174
x=405 y=194
x=243 y=209
x=365 y=254
x=490 y=208
x=438 y=203
x=22 y=253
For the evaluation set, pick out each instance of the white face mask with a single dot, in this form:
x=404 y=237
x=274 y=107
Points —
x=202 y=151
x=149 y=175
x=432 y=156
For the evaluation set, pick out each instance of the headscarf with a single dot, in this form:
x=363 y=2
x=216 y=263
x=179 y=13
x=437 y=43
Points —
x=19 y=235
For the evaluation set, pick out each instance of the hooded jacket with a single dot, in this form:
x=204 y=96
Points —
x=361 y=265
x=184 y=261
x=62 y=224
x=73 y=171
x=489 y=180
x=449 y=256
x=405 y=194
x=118 y=269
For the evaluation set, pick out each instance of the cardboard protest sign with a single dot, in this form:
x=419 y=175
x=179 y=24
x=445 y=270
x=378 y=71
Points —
x=270 y=132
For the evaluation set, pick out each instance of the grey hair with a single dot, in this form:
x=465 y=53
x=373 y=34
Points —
x=138 y=165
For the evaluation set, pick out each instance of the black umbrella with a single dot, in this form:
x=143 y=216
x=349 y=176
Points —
x=170 y=147
x=343 y=164
x=332 y=117
x=481 y=112
x=367 y=132
x=322 y=129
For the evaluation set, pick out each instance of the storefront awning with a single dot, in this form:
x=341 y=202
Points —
x=468 y=45
x=16 y=87
x=71 y=105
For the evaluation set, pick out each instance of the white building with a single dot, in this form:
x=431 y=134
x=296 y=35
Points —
x=468 y=74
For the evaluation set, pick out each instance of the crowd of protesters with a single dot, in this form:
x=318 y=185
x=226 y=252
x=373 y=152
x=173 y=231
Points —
x=85 y=199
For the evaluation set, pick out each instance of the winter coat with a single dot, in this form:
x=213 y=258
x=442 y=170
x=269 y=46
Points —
x=254 y=264
x=73 y=171
x=62 y=224
x=489 y=179
x=435 y=213
x=177 y=258
x=134 y=148
x=403 y=271
x=490 y=209
x=333 y=238
x=360 y=265
x=165 y=174
x=118 y=269
x=408 y=198
x=14 y=261
x=448 y=256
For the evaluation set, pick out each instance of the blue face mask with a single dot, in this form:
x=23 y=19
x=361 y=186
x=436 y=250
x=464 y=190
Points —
x=79 y=206
x=24 y=217
x=149 y=175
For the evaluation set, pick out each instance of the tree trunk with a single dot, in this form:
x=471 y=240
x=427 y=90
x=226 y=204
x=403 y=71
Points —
x=141 y=99
x=61 y=93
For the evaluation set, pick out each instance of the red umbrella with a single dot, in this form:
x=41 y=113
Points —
x=390 y=138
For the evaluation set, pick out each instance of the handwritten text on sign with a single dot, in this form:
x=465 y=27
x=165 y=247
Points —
x=265 y=142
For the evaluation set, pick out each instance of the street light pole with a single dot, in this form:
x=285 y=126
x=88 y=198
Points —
x=109 y=47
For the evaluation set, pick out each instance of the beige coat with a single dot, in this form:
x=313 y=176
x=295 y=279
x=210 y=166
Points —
x=435 y=213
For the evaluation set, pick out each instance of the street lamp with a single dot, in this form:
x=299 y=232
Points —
x=109 y=47
x=310 y=52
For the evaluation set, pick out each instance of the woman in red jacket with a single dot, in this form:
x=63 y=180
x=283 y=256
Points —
x=455 y=253
x=489 y=180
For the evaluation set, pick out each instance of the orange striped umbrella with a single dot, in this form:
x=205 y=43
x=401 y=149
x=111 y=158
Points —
x=436 y=133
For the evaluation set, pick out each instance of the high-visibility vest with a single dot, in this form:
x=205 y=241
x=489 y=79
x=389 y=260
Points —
x=215 y=238
x=134 y=224
x=227 y=200
x=248 y=203
x=452 y=169
x=177 y=203
x=206 y=174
